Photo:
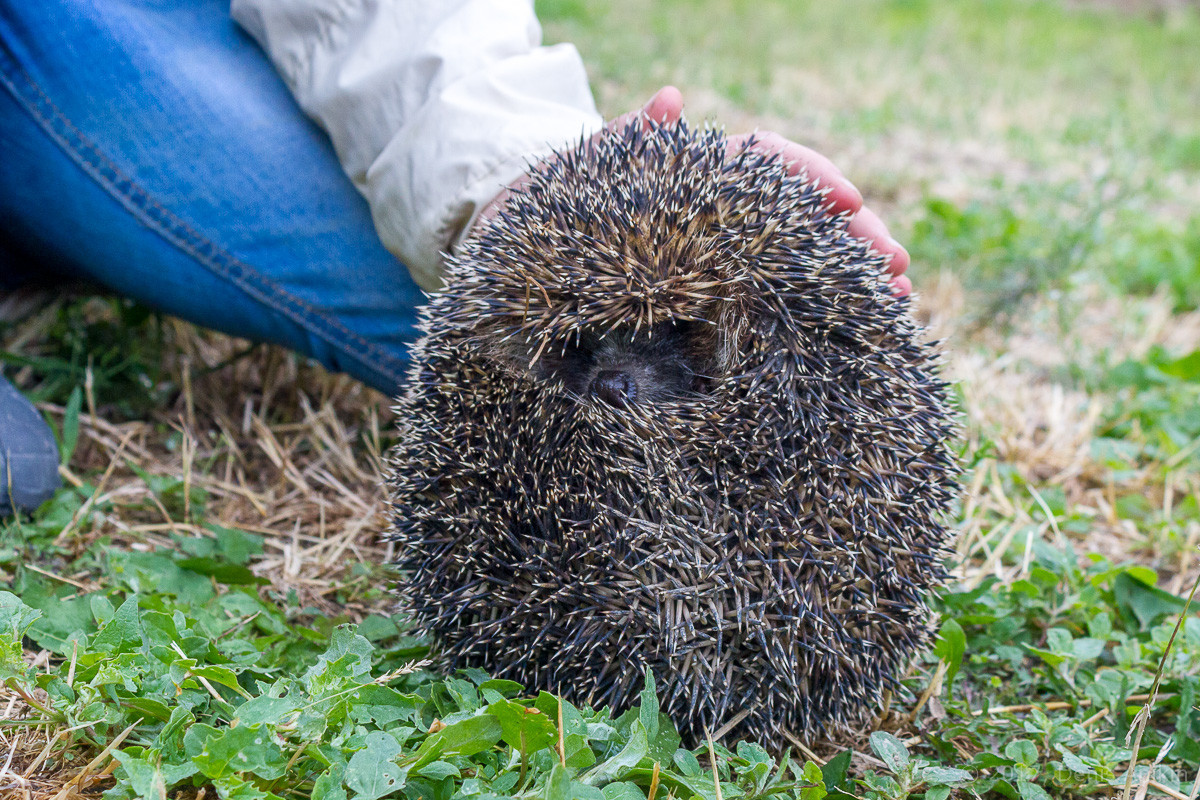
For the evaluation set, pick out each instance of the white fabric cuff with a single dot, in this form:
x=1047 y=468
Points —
x=478 y=136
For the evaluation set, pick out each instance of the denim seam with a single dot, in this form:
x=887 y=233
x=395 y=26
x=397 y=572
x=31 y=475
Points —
x=105 y=173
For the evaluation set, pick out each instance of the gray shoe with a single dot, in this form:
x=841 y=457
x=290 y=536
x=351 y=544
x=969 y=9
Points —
x=28 y=454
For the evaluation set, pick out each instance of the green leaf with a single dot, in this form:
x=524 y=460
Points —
x=834 y=772
x=218 y=674
x=123 y=632
x=576 y=742
x=373 y=771
x=648 y=713
x=665 y=745
x=689 y=765
x=814 y=777
x=222 y=571
x=346 y=662
x=629 y=757
x=15 y=619
x=938 y=775
x=70 y=426
x=661 y=737
x=524 y=729
x=1186 y=367
x=558 y=785
x=181 y=721
x=623 y=790
x=329 y=784
x=507 y=689
x=950 y=648
x=146 y=775
x=272 y=710
x=439 y=770
x=505 y=781
x=244 y=749
x=884 y=784
x=890 y=750
x=64 y=623
x=231 y=787
x=384 y=705
x=464 y=694
x=1022 y=751
x=149 y=708
x=1074 y=763
x=581 y=791
x=1031 y=791
x=236 y=546
x=465 y=738
x=1049 y=656
x=1147 y=602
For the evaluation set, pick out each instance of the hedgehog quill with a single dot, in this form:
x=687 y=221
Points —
x=668 y=415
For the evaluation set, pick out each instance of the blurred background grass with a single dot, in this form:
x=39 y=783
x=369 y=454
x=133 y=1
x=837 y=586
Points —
x=1017 y=143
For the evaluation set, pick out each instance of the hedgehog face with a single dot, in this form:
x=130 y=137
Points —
x=626 y=367
x=667 y=415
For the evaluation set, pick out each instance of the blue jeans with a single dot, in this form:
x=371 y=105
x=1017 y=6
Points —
x=150 y=147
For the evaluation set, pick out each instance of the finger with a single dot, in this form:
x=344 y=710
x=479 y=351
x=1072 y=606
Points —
x=866 y=225
x=901 y=286
x=666 y=106
x=900 y=260
x=842 y=193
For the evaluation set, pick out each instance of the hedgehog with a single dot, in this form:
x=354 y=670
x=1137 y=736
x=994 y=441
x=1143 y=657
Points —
x=668 y=416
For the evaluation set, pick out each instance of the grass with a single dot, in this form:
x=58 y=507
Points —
x=1015 y=142
x=201 y=609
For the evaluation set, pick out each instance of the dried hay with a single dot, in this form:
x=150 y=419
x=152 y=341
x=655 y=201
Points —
x=1015 y=394
x=281 y=447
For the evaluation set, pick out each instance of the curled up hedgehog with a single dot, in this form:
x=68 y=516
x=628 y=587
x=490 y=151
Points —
x=668 y=415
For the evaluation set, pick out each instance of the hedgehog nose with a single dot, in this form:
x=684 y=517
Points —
x=614 y=387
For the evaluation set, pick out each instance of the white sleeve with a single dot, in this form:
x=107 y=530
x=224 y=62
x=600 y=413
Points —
x=433 y=106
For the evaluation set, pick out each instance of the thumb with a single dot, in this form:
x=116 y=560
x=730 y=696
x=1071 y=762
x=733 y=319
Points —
x=665 y=106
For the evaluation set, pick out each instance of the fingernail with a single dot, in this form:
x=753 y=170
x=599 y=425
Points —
x=887 y=246
x=900 y=256
x=853 y=190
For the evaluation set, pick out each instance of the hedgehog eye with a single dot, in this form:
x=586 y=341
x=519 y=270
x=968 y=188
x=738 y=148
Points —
x=570 y=362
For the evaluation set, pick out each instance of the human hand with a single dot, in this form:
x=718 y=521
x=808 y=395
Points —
x=844 y=197
x=667 y=106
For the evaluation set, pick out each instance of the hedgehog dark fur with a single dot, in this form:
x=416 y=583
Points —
x=668 y=415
